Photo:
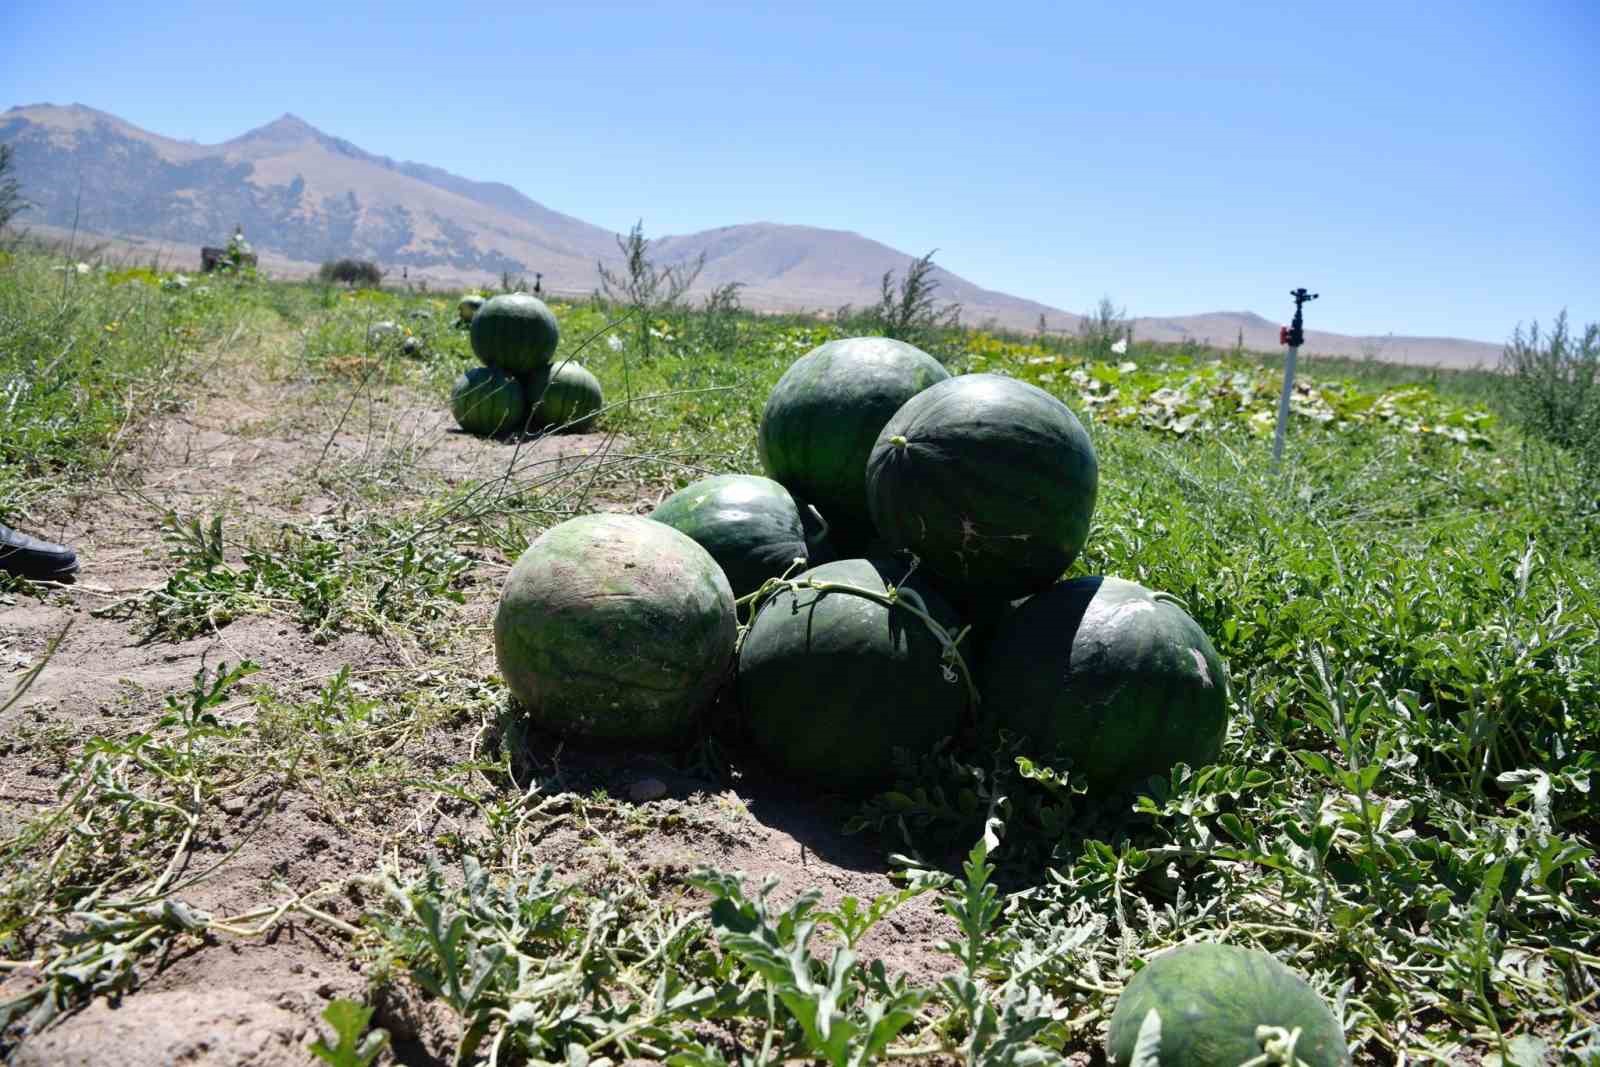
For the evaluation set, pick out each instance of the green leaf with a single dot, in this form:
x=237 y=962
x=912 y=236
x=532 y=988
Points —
x=1316 y=761
x=1147 y=1046
x=349 y=1021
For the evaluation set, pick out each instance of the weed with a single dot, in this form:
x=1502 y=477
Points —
x=1554 y=392
x=12 y=202
x=331 y=576
x=1101 y=329
x=354 y=1046
x=719 y=318
x=648 y=289
x=909 y=311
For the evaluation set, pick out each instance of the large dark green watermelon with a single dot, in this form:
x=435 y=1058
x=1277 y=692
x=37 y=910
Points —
x=989 y=480
x=1117 y=678
x=823 y=416
x=749 y=524
x=515 y=332
x=572 y=399
x=830 y=683
x=486 y=402
x=1210 y=999
x=615 y=628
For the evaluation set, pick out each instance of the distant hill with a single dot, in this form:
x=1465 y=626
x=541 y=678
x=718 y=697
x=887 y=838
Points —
x=304 y=197
x=803 y=267
x=1225 y=329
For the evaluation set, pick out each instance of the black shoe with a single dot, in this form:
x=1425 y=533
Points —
x=29 y=557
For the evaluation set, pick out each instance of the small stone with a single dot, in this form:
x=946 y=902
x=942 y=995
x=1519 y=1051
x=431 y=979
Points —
x=233 y=805
x=327 y=990
x=647 y=789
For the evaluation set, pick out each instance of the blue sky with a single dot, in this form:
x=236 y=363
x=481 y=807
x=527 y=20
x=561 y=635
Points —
x=1430 y=168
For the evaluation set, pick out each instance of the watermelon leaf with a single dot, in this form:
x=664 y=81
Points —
x=1147 y=1046
x=349 y=1021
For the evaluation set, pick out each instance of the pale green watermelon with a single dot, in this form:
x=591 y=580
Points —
x=615 y=628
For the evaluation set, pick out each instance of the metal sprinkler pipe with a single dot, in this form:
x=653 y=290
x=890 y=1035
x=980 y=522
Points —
x=1294 y=336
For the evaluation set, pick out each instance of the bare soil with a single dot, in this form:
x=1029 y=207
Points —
x=255 y=454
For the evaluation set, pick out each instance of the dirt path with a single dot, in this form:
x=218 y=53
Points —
x=273 y=455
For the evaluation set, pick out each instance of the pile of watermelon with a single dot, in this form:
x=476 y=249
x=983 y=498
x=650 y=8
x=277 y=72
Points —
x=520 y=386
x=898 y=575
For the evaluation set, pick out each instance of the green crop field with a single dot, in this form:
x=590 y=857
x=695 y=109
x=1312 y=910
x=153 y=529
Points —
x=265 y=733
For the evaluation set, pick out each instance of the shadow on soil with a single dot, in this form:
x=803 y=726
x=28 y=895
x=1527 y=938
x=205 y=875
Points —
x=813 y=819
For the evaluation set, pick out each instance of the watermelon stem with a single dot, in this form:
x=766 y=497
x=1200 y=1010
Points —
x=1170 y=598
x=823 y=528
x=1277 y=1048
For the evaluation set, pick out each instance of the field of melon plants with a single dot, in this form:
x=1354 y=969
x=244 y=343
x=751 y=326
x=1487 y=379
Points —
x=307 y=767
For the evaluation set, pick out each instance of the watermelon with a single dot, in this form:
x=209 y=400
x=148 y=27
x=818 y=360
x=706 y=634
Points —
x=469 y=306
x=1117 y=678
x=615 y=628
x=749 y=524
x=830 y=683
x=516 y=333
x=534 y=384
x=572 y=401
x=486 y=402
x=990 y=481
x=1210 y=999
x=823 y=416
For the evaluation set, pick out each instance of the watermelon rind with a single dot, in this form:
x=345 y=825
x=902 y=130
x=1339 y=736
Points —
x=487 y=402
x=1119 y=680
x=990 y=481
x=515 y=332
x=615 y=628
x=830 y=683
x=750 y=525
x=1210 y=999
x=823 y=416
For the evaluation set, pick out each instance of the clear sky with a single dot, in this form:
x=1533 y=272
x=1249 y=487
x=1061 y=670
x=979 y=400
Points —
x=1430 y=168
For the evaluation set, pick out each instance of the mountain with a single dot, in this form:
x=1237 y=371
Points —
x=304 y=197
x=297 y=192
x=794 y=268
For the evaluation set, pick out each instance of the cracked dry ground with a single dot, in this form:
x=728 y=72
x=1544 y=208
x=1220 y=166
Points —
x=270 y=454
